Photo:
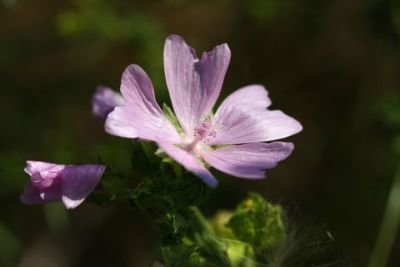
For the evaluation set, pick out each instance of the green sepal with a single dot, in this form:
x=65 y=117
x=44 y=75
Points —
x=172 y=118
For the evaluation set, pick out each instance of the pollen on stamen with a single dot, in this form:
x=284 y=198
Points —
x=205 y=131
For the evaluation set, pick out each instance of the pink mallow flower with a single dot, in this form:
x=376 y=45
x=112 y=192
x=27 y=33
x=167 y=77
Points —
x=104 y=101
x=53 y=182
x=230 y=140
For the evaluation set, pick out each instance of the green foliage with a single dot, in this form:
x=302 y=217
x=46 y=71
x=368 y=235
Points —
x=258 y=223
x=391 y=111
x=181 y=255
x=113 y=186
x=172 y=118
x=10 y=247
x=201 y=246
x=169 y=197
x=195 y=241
x=9 y=3
x=143 y=161
x=267 y=11
x=100 y=25
x=166 y=187
x=198 y=247
x=11 y=167
x=390 y=224
x=107 y=21
x=391 y=117
x=219 y=223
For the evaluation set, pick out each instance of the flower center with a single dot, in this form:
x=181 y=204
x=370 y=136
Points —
x=203 y=133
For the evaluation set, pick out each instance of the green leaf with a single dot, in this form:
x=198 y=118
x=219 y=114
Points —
x=181 y=255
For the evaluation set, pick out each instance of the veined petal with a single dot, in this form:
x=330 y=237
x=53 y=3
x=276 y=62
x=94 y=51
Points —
x=128 y=121
x=119 y=123
x=248 y=160
x=246 y=98
x=189 y=162
x=78 y=182
x=140 y=116
x=194 y=84
x=235 y=126
x=137 y=88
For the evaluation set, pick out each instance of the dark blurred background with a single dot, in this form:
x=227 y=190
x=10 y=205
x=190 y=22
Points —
x=333 y=65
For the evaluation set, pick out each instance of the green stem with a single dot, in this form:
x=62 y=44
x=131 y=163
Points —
x=389 y=226
x=204 y=236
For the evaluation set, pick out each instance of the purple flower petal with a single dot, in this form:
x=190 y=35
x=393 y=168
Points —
x=248 y=160
x=104 y=101
x=140 y=116
x=44 y=168
x=245 y=99
x=36 y=195
x=235 y=126
x=189 y=162
x=53 y=182
x=119 y=122
x=194 y=84
x=78 y=182
x=43 y=174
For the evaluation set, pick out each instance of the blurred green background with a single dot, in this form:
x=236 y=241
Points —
x=333 y=65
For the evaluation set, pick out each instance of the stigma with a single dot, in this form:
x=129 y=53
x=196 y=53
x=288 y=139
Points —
x=202 y=134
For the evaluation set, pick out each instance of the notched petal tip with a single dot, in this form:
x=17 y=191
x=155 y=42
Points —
x=178 y=40
x=194 y=84
x=220 y=53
